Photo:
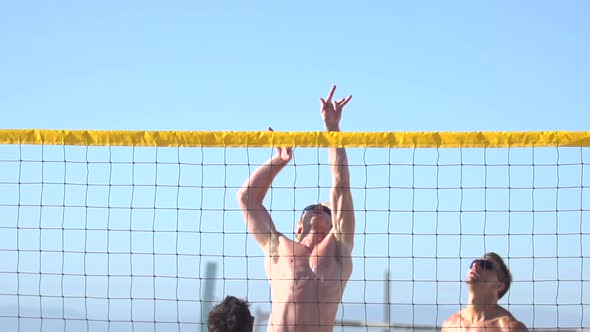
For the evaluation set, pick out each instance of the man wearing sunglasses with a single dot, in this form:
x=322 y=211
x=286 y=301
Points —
x=308 y=275
x=488 y=279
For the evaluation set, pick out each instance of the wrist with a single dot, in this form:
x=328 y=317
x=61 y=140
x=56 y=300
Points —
x=332 y=128
x=277 y=160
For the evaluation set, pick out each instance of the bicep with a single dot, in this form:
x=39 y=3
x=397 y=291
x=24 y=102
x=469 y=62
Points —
x=259 y=223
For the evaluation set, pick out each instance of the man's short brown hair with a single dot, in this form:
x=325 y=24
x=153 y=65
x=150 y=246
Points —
x=504 y=274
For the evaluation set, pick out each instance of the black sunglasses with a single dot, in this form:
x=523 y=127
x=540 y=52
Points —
x=484 y=264
x=313 y=206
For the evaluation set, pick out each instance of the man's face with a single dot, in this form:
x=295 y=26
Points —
x=484 y=271
x=316 y=216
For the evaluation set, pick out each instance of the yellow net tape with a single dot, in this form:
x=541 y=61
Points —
x=299 y=139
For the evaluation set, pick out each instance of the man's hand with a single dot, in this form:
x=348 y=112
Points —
x=332 y=110
x=284 y=154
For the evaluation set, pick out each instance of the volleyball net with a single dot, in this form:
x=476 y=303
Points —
x=129 y=230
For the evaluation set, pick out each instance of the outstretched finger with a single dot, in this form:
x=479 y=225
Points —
x=340 y=101
x=329 y=99
x=344 y=101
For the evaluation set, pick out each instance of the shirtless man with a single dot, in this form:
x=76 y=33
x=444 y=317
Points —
x=308 y=275
x=488 y=280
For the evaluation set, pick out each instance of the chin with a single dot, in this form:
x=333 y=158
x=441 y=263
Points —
x=319 y=224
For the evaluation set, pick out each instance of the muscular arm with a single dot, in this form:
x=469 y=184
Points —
x=340 y=196
x=251 y=195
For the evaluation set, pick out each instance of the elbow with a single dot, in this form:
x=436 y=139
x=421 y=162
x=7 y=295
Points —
x=242 y=196
x=246 y=198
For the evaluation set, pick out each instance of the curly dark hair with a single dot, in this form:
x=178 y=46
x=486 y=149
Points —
x=231 y=315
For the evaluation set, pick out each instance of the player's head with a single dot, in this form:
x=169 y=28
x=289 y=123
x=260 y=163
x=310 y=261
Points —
x=491 y=271
x=318 y=216
x=504 y=275
x=231 y=315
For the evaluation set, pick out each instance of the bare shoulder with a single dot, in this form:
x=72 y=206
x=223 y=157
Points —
x=518 y=326
x=276 y=242
x=285 y=245
x=453 y=321
x=512 y=324
x=343 y=248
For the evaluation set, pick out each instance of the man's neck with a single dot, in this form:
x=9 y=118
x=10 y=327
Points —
x=480 y=307
x=312 y=239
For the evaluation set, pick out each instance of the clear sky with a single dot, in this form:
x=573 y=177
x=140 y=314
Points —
x=189 y=65
x=194 y=65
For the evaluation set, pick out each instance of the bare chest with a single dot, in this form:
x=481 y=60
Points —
x=298 y=262
x=487 y=326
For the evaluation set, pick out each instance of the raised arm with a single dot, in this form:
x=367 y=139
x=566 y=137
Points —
x=340 y=196
x=251 y=195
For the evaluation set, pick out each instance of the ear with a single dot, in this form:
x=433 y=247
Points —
x=299 y=229
x=501 y=287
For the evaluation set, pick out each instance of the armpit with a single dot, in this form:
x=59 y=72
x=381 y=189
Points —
x=273 y=248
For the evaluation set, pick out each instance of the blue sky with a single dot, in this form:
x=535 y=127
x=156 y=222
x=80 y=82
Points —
x=187 y=65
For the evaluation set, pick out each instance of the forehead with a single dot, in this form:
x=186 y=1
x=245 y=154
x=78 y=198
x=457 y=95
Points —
x=491 y=260
x=315 y=206
x=495 y=264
